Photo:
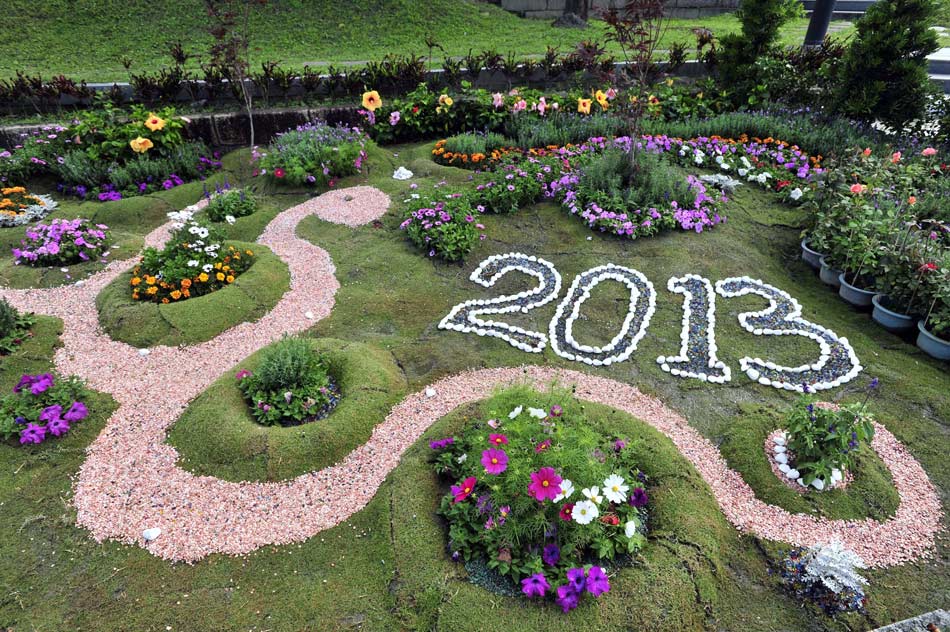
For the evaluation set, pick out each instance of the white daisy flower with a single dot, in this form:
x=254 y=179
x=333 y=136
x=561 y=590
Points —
x=584 y=512
x=615 y=489
x=567 y=488
x=193 y=263
x=592 y=494
x=207 y=267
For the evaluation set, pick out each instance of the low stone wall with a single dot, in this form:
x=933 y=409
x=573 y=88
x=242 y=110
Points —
x=548 y=9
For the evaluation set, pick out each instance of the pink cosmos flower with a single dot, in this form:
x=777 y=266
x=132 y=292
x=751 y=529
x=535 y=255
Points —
x=545 y=484
x=495 y=461
x=464 y=490
x=929 y=151
x=498 y=439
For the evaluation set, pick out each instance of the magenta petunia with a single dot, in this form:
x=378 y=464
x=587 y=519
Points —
x=495 y=461
x=545 y=484
x=50 y=413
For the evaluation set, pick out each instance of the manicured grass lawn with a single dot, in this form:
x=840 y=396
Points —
x=57 y=36
x=387 y=568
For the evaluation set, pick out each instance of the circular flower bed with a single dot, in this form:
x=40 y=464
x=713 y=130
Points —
x=62 y=242
x=542 y=498
x=18 y=207
x=782 y=462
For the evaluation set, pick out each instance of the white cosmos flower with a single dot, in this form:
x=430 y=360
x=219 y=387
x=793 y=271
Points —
x=592 y=494
x=796 y=193
x=229 y=219
x=630 y=529
x=515 y=412
x=584 y=512
x=615 y=489
x=537 y=413
x=567 y=488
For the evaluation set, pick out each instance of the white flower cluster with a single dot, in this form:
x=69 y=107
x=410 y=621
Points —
x=179 y=218
x=631 y=331
x=837 y=363
x=836 y=567
x=780 y=456
x=704 y=365
x=464 y=317
x=587 y=510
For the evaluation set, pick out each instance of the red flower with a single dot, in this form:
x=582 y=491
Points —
x=463 y=491
x=565 y=512
x=610 y=519
x=782 y=184
x=930 y=266
x=279 y=173
x=415 y=109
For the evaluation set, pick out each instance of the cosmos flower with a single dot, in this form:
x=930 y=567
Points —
x=545 y=484
x=495 y=461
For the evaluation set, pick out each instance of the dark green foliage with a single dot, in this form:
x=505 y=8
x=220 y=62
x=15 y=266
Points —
x=561 y=129
x=13 y=326
x=761 y=22
x=884 y=73
x=287 y=364
x=231 y=202
x=472 y=143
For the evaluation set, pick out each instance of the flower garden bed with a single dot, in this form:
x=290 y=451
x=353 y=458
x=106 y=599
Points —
x=218 y=436
x=149 y=324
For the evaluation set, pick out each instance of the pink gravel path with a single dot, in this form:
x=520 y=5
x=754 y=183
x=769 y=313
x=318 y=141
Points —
x=131 y=481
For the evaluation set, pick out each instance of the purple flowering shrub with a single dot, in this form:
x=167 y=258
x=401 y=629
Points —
x=62 y=242
x=444 y=226
x=41 y=407
x=822 y=439
x=313 y=154
x=540 y=497
x=292 y=385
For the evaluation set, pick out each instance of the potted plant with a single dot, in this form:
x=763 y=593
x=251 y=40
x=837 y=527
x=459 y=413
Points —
x=872 y=225
x=934 y=330
x=901 y=275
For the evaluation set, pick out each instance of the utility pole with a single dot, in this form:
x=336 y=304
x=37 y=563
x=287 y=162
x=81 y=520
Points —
x=818 y=25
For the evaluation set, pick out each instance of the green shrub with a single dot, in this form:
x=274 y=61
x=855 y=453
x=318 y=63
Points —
x=476 y=143
x=13 y=326
x=292 y=384
x=313 y=154
x=231 y=203
x=561 y=129
x=883 y=76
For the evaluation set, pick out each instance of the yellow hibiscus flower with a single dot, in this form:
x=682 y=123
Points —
x=140 y=145
x=446 y=100
x=602 y=99
x=154 y=122
x=583 y=106
x=371 y=100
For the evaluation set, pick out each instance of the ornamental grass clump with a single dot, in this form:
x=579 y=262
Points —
x=14 y=327
x=313 y=154
x=194 y=262
x=226 y=204
x=62 y=242
x=824 y=440
x=41 y=407
x=291 y=386
x=826 y=575
x=542 y=498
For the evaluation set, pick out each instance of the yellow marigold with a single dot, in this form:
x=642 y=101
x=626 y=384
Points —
x=12 y=190
x=186 y=293
x=203 y=277
x=176 y=294
x=219 y=276
x=249 y=253
x=185 y=283
x=583 y=106
x=165 y=301
x=149 y=280
x=135 y=281
x=230 y=279
x=371 y=100
x=140 y=145
x=135 y=296
x=217 y=266
x=152 y=290
x=154 y=123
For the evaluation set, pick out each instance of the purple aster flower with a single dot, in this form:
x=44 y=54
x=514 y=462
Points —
x=535 y=586
x=32 y=434
x=76 y=412
x=551 y=554
x=597 y=582
x=567 y=598
x=58 y=427
x=639 y=497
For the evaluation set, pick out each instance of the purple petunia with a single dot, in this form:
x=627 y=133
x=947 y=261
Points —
x=551 y=554
x=639 y=497
x=32 y=434
x=576 y=579
x=76 y=412
x=58 y=427
x=535 y=585
x=50 y=413
x=441 y=443
x=597 y=582
x=567 y=597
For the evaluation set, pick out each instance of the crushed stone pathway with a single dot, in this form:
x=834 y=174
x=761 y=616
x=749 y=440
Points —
x=130 y=480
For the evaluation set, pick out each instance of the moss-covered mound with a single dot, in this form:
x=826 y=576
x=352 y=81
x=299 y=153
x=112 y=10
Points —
x=870 y=495
x=147 y=324
x=218 y=436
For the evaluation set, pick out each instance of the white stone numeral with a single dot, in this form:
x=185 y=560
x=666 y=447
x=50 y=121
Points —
x=697 y=357
x=836 y=364
x=465 y=317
